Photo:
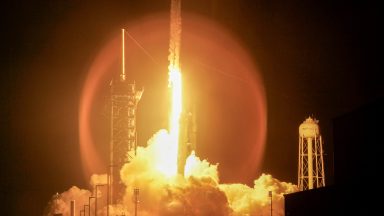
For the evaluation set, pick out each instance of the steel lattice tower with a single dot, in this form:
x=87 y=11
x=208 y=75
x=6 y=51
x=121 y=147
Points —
x=123 y=143
x=311 y=163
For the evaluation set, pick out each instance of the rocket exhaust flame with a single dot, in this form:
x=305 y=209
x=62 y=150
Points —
x=176 y=89
x=175 y=35
x=174 y=123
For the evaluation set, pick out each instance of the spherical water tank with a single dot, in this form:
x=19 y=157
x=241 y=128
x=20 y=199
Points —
x=309 y=128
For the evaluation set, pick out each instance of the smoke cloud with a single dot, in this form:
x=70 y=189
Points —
x=198 y=192
x=60 y=203
x=244 y=200
x=98 y=180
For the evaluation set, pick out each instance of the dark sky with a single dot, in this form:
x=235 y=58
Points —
x=319 y=59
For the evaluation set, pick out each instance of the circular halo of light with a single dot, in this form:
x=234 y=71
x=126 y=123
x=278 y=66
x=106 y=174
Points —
x=224 y=82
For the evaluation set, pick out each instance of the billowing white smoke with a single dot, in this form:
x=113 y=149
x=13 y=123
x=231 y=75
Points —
x=197 y=193
x=60 y=203
x=197 y=168
x=162 y=195
x=98 y=180
x=244 y=200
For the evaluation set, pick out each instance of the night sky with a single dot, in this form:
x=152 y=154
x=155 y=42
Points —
x=319 y=59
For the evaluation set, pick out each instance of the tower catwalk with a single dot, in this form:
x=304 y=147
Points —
x=123 y=143
x=311 y=163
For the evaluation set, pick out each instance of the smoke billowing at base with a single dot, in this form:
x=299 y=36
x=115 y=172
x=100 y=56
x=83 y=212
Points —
x=198 y=192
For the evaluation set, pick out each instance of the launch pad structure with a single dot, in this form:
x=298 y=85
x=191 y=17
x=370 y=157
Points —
x=123 y=140
x=124 y=100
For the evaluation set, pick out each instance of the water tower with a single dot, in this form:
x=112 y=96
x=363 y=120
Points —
x=311 y=163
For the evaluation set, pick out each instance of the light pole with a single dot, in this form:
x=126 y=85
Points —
x=84 y=209
x=96 y=195
x=110 y=186
x=89 y=204
x=136 y=193
x=270 y=195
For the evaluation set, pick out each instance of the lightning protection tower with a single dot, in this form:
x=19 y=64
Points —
x=311 y=163
x=123 y=143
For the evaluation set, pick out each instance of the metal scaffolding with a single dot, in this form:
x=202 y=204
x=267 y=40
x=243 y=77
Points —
x=311 y=162
x=123 y=142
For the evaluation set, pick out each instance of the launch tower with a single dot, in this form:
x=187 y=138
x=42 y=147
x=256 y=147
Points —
x=123 y=143
x=311 y=163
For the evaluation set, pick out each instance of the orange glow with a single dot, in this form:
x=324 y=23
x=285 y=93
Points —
x=223 y=76
x=231 y=118
x=91 y=160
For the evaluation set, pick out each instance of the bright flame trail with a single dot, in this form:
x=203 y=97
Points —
x=169 y=167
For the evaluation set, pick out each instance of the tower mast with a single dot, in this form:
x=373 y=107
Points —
x=122 y=75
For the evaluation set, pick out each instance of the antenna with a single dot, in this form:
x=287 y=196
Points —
x=122 y=75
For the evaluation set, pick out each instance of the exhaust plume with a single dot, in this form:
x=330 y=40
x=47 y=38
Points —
x=175 y=35
x=175 y=86
x=198 y=192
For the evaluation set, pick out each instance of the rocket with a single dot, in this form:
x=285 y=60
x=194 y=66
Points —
x=187 y=142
